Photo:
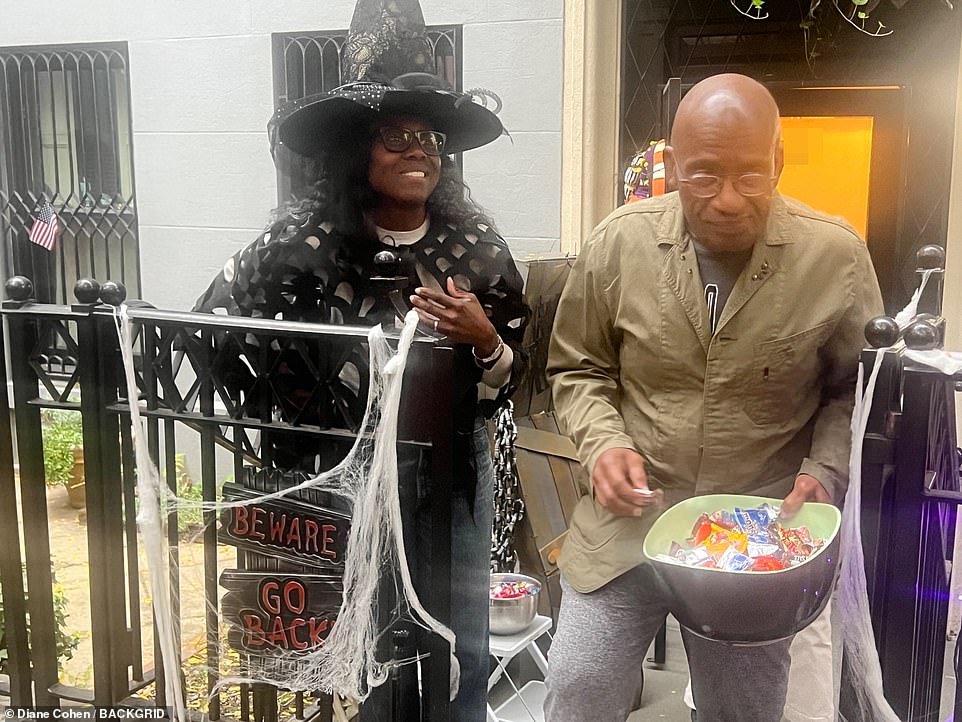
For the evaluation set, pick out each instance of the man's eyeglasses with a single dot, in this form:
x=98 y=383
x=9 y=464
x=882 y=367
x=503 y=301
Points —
x=398 y=140
x=749 y=185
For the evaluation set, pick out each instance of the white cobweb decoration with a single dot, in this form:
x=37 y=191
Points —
x=367 y=479
x=864 y=672
x=861 y=654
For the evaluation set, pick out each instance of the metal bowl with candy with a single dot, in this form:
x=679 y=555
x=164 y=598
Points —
x=734 y=572
x=512 y=603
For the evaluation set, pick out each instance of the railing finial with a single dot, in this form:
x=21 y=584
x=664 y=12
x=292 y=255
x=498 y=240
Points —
x=113 y=293
x=19 y=288
x=930 y=257
x=882 y=332
x=87 y=290
x=923 y=334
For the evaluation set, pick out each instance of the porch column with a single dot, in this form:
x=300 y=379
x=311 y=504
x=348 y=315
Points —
x=952 y=292
x=952 y=310
x=590 y=167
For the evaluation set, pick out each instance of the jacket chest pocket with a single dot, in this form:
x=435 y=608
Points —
x=784 y=375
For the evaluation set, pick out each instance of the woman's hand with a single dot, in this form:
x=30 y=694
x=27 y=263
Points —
x=458 y=315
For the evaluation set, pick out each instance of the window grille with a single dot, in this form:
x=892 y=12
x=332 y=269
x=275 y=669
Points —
x=65 y=138
x=310 y=62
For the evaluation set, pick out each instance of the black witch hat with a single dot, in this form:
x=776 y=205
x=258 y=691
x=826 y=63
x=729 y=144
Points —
x=388 y=66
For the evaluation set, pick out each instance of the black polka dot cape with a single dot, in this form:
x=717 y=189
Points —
x=302 y=269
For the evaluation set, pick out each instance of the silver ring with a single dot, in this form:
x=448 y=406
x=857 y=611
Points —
x=436 y=323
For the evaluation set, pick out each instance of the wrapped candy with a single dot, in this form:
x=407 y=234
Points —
x=794 y=542
x=755 y=521
x=702 y=530
x=744 y=540
x=724 y=518
x=760 y=545
x=512 y=590
x=769 y=564
x=733 y=561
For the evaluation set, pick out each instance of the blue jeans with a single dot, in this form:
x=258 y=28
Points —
x=471 y=520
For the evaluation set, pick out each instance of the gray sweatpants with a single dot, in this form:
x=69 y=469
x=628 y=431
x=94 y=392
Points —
x=595 y=660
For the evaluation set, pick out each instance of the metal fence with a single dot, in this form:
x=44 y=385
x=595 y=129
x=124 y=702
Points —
x=910 y=493
x=191 y=400
x=911 y=484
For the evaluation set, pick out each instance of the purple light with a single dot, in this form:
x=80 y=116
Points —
x=930 y=593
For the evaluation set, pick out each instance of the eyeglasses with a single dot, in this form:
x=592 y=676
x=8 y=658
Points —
x=749 y=185
x=398 y=140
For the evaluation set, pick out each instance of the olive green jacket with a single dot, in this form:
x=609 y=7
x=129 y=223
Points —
x=769 y=395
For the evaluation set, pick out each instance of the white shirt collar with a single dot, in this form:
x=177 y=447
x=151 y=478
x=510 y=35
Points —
x=403 y=238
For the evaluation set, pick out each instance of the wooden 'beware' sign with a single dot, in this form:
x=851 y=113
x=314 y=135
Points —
x=279 y=614
x=284 y=528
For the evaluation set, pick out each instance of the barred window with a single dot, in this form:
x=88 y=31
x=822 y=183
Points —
x=65 y=138
x=310 y=62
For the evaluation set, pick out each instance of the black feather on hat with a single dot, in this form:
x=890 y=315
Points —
x=389 y=67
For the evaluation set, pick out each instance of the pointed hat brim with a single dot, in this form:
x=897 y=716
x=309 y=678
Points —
x=310 y=125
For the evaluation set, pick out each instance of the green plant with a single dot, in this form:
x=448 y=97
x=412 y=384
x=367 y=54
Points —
x=819 y=21
x=190 y=517
x=62 y=433
x=66 y=642
x=190 y=495
x=754 y=9
x=856 y=13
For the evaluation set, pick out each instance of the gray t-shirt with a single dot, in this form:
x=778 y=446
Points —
x=719 y=271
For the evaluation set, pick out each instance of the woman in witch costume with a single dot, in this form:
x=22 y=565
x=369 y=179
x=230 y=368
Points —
x=379 y=149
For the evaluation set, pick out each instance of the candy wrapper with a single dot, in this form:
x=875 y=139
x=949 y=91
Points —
x=743 y=540
x=512 y=590
x=724 y=519
x=652 y=497
x=732 y=561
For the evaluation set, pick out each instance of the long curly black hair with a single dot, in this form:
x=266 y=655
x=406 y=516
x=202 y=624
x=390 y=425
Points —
x=341 y=194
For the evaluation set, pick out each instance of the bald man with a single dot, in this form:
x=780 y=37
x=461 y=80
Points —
x=707 y=341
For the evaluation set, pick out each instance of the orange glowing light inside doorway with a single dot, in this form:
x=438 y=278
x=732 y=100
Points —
x=828 y=163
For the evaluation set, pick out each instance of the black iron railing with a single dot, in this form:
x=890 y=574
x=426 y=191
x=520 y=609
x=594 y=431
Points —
x=910 y=489
x=222 y=386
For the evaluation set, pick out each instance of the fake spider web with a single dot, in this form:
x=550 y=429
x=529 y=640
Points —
x=862 y=667
x=346 y=662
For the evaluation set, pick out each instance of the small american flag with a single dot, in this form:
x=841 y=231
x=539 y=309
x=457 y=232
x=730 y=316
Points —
x=45 y=226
